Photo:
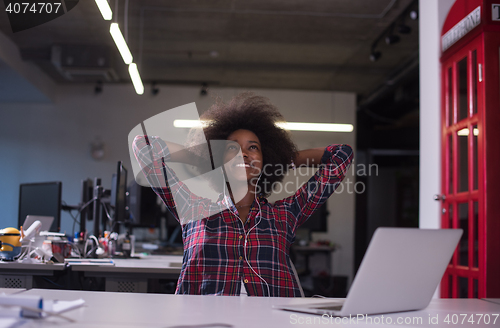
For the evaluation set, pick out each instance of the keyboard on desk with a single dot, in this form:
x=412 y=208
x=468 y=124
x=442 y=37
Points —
x=332 y=307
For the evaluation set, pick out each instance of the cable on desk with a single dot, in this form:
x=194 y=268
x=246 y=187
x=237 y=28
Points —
x=94 y=238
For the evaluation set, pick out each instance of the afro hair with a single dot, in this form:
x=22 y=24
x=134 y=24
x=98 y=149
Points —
x=254 y=113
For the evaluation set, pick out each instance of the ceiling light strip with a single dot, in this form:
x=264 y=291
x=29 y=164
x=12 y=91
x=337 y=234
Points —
x=136 y=78
x=189 y=123
x=104 y=8
x=323 y=127
x=117 y=35
x=292 y=126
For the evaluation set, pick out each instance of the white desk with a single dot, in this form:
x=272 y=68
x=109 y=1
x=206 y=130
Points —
x=131 y=275
x=9 y=291
x=20 y=275
x=106 y=309
x=494 y=300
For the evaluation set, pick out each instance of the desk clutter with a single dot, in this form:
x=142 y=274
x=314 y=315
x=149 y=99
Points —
x=41 y=259
x=102 y=257
x=18 y=306
x=116 y=213
x=34 y=246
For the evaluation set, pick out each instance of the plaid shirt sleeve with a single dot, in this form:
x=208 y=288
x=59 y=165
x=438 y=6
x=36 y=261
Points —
x=220 y=252
x=334 y=165
x=152 y=154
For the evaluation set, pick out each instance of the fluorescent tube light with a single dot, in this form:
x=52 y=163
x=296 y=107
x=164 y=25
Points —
x=103 y=6
x=120 y=43
x=136 y=78
x=465 y=132
x=323 y=127
x=188 y=123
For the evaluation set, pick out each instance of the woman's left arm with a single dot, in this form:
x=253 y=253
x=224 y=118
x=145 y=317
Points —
x=309 y=157
x=333 y=162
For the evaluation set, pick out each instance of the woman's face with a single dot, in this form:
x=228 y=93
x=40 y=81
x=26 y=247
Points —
x=250 y=159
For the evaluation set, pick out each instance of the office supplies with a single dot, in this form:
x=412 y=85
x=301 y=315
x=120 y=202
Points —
x=23 y=302
x=41 y=199
x=400 y=272
x=34 y=306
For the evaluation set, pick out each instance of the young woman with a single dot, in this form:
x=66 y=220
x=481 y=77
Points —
x=241 y=242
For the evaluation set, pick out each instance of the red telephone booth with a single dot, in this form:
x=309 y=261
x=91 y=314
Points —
x=470 y=111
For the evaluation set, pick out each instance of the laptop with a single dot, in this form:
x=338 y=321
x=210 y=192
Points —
x=400 y=271
x=45 y=220
x=46 y=224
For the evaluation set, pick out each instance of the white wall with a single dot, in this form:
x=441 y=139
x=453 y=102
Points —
x=51 y=142
x=20 y=79
x=432 y=14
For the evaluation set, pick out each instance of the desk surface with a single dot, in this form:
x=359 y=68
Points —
x=106 y=309
x=494 y=300
x=149 y=264
x=170 y=264
x=10 y=291
x=31 y=266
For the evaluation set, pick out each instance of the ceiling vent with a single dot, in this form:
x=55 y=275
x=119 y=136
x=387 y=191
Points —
x=81 y=63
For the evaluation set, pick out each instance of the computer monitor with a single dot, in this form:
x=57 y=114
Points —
x=43 y=199
x=144 y=208
x=148 y=211
x=118 y=198
x=86 y=206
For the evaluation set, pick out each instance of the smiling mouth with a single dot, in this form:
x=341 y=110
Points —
x=244 y=165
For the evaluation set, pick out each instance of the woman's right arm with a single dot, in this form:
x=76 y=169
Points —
x=152 y=153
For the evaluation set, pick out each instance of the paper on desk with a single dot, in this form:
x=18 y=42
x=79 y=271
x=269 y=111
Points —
x=21 y=304
x=8 y=322
x=62 y=306
x=15 y=306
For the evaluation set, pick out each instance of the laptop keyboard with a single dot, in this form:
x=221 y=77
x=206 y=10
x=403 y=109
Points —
x=331 y=308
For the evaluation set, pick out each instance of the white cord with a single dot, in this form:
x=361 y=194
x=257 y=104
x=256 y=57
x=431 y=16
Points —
x=96 y=245
x=248 y=232
x=26 y=252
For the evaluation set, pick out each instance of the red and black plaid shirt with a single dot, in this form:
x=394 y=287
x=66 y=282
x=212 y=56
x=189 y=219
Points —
x=219 y=250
